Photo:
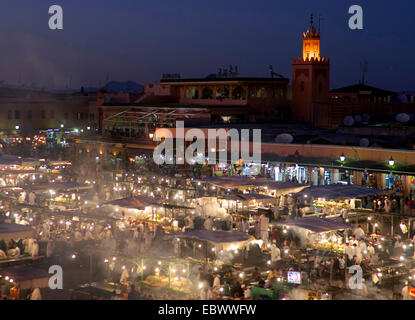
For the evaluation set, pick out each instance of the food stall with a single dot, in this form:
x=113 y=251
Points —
x=329 y=200
x=317 y=233
x=253 y=185
x=147 y=209
x=27 y=277
x=217 y=247
x=59 y=195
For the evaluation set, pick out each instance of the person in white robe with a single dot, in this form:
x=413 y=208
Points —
x=362 y=245
x=349 y=250
x=247 y=292
x=124 y=276
x=88 y=235
x=78 y=235
x=35 y=249
x=208 y=224
x=32 y=198
x=216 y=283
x=370 y=251
x=358 y=252
x=245 y=226
x=275 y=253
x=22 y=197
x=136 y=235
x=30 y=243
x=359 y=233
x=35 y=295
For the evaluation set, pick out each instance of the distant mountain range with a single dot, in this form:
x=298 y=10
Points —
x=128 y=86
x=112 y=86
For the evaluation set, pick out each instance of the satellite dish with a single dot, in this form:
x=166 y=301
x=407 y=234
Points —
x=402 y=98
x=284 y=138
x=364 y=142
x=357 y=119
x=348 y=121
x=402 y=117
x=365 y=117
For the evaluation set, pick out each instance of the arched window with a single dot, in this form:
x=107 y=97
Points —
x=320 y=87
x=238 y=93
x=207 y=93
x=192 y=93
x=261 y=93
x=302 y=86
x=222 y=93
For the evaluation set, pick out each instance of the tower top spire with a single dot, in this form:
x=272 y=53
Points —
x=311 y=31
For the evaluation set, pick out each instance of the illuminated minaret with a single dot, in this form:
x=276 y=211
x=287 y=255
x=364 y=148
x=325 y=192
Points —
x=310 y=78
x=311 y=43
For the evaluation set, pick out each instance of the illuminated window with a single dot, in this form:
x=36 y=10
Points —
x=261 y=93
x=192 y=93
x=222 y=93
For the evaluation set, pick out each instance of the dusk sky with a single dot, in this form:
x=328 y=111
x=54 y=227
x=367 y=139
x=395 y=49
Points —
x=139 y=40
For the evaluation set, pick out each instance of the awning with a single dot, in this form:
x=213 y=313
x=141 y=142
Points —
x=315 y=224
x=338 y=191
x=136 y=202
x=42 y=187
x=10 y=231
x=27 y=276
x=215 y=237
x=232 y=182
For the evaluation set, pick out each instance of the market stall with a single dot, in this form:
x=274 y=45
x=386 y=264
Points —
x=218 y=246
x=57 y=195
x=26 y=276
x=255 y=185
x=317 y=233
x=329 y=200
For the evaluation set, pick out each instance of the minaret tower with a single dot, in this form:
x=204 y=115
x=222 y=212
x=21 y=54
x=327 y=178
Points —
x=311 y=77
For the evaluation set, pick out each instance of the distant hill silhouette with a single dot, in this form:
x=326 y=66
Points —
x=117 y=86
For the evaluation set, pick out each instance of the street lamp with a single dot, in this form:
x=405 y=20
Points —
x=391 y=161
x=342 y=157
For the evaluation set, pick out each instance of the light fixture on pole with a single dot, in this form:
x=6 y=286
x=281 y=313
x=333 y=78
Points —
x=342 y=157
x=391 y=162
